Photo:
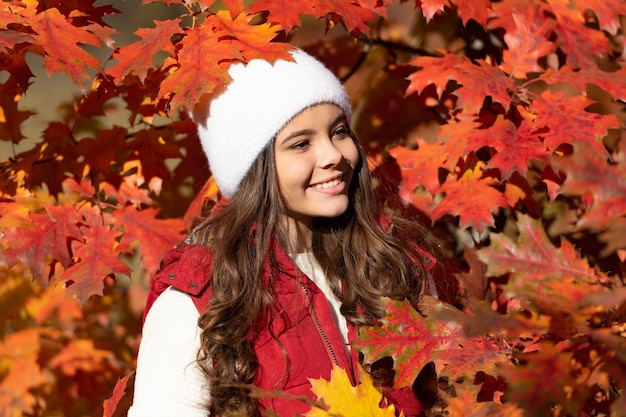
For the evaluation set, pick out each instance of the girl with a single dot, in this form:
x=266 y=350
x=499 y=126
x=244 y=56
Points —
x=271 y=288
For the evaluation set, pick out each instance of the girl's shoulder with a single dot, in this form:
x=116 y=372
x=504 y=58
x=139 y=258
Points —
x=186 y=268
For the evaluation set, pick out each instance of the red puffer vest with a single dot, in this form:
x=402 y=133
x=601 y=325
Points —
x=304 y=332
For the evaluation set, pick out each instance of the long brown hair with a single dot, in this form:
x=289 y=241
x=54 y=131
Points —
x=362 y=260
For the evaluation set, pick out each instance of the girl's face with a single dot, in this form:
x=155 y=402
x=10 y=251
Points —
x=315 y=160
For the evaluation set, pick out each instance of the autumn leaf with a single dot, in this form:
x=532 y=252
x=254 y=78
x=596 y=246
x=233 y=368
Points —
x=528 y=387
x=472 y=198
x=46 y=237
x=192 y=75
x=110 y=404
x=433 y=70
x=138 y=56
x=340 y=398
x=607 y=12
x=480 y=80
x=588 y=173
x=61 y=40
x=20 y=369
x=533 y=260
x=253 y=41
x=407 y=337
x=569 y=122
x=454 y=136
x=526 y=39
x=613 y=82
x=432 y=7
x=419 y=167
x=479 y=10
x=579 y=42
x=80 y=355
x=156 y=236
x=96 y=256
x=515 y=146
x=284 y=12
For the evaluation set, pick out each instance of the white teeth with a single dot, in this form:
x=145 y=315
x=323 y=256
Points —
x=329 y=184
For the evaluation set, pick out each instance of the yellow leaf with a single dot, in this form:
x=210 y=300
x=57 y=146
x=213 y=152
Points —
x=341 y=399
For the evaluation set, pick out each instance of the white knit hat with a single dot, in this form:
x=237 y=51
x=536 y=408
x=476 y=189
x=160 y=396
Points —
x=256 y=105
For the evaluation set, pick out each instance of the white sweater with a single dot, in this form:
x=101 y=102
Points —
x=168 y=381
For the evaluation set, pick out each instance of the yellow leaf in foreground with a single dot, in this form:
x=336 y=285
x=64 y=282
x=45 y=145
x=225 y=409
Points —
x=341 y=399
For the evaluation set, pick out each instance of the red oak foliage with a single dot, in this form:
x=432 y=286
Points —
x=501 y=124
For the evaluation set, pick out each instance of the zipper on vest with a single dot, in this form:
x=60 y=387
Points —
x=330 y=349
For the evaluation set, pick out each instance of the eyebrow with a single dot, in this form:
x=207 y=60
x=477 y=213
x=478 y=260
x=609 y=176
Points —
x=305 y=132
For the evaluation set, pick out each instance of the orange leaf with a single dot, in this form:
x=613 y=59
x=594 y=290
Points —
x=419 y=167
x=195 y=75
x=156 y=236
x=45 y=238
x=110 y=404
x=437 y=71
x=472 y=198
x=60 y=39
x=97 y=257
x=253 y=41
x=568 y=121
x=137 y=57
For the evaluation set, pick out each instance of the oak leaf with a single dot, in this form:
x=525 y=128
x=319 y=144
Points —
x=111 y=403
x=472 y=198
x=419 y=167
x=96 y=256
x=533 y=261
x=568 y=121
x=579 y=42
x=479 y=10
x=479 y=80
x=454 y=136
x=588 y=173
x=515 y=146
x=156 y=236
x=341 y=399
x=138 y=56
x=46 y=237
x=409 y=338
x=60 y=40
x=607 y=12
x=612 y=82
x=433 y=70
x=284 y=12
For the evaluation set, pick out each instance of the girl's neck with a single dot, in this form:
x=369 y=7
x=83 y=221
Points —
x=299 y=236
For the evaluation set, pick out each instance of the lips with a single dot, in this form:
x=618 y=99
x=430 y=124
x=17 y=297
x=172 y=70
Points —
x=333 y=182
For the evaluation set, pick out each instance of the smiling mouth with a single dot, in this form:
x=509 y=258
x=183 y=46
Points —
x=329 y=184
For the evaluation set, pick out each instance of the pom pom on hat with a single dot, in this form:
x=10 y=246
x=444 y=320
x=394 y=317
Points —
x=261 y=99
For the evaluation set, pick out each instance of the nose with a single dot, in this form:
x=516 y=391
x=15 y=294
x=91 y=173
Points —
x=329 y=154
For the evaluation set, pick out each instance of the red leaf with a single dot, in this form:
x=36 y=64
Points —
x=569 y=122
x=410 y=339
x=454 y=136
x=472 y=198
x=97 y=257
x=252 y=41
x=419 y=167
x=613 y=82
x=515 y=146
x=195 y=75
x=60 y=40
x=588 y=172
x=579 y=42
x=483 y=80
x=11 y=117
x=437 y=71
x=479 y=10
x=110 y=404
x=526 y=39
x=607 y=11
x=44 y=239
x=284 y=12
x=533 y=260
x=539 y=396
x=156 y=236
x=137 y=57
x=431 y=7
